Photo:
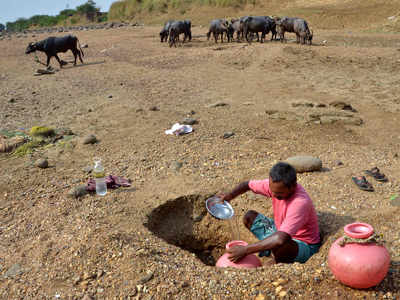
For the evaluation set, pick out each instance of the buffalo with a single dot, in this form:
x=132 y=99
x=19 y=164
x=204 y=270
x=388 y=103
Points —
x=219 y=27
x=237 y=26
x=263 y=24
x=177 y=28
x=298 y=26
x=53 y=45
x=165 y=31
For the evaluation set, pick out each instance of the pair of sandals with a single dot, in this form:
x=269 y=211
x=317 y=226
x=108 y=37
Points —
x=362 y=182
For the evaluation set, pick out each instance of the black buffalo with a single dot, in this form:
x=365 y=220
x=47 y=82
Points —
x=165 y=31
x=237 y=26
x=219 y=27
x=263 y=24
x=298 y=26
x=177 y=28
x=53 y=45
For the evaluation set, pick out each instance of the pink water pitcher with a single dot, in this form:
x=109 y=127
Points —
x=249 y=261
x=359 y=265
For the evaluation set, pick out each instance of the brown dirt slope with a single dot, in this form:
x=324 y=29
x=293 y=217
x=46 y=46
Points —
x=322 y=14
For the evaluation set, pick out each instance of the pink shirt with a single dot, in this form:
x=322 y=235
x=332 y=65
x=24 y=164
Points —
x=296 y=216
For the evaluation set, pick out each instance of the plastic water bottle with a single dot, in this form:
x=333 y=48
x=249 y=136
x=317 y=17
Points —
x=100 y=178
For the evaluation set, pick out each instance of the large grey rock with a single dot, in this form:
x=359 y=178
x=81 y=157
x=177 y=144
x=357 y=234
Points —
x=305 y=163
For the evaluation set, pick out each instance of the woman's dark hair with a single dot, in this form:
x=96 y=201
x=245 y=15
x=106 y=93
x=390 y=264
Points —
x=283 y=172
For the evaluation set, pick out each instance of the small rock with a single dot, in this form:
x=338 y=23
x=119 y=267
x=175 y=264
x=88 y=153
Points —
x=317 y=279
x=146 y=278
x=139 y=288
x=110 y=96
x=154 y=108
x=42 y=163
x=78 y=191
x=217 y=104
x=88 y=169
x=342 y=105
x=185 y=284
x=395 y=200
x=228 y=134
x=176 y=165
x=320 y=105
x=64 y=131
x=260 y=297
x=282 y=294
x=90 y=139
x=14 y=271
x=139 y=110
x=339 y=163
x=303 y=163
x=87 y=275
x=99 y=273
x=271 y=111
x=282 y=281
x=76 y=280
x=192 y=112
x=189 y=121
x=302 y=104
x=12 y=100
x=140 y=251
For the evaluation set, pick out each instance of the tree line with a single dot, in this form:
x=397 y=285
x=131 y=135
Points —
x=89 y=10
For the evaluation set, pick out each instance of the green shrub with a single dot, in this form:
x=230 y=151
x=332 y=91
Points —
x=74 y=20
x=27 y=148
x=41 y=131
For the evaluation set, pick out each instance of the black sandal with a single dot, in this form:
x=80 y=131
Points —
x=363 y=184
x=374 y=172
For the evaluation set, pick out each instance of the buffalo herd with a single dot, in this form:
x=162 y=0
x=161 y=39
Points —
x=246 y=28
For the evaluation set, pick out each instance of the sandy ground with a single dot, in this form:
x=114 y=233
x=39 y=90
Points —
x=154 y=239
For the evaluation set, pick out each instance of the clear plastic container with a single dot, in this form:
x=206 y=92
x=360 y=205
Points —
x=100 y=177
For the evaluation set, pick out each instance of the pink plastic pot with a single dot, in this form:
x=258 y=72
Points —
x=249 y=261
x=358 y=265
